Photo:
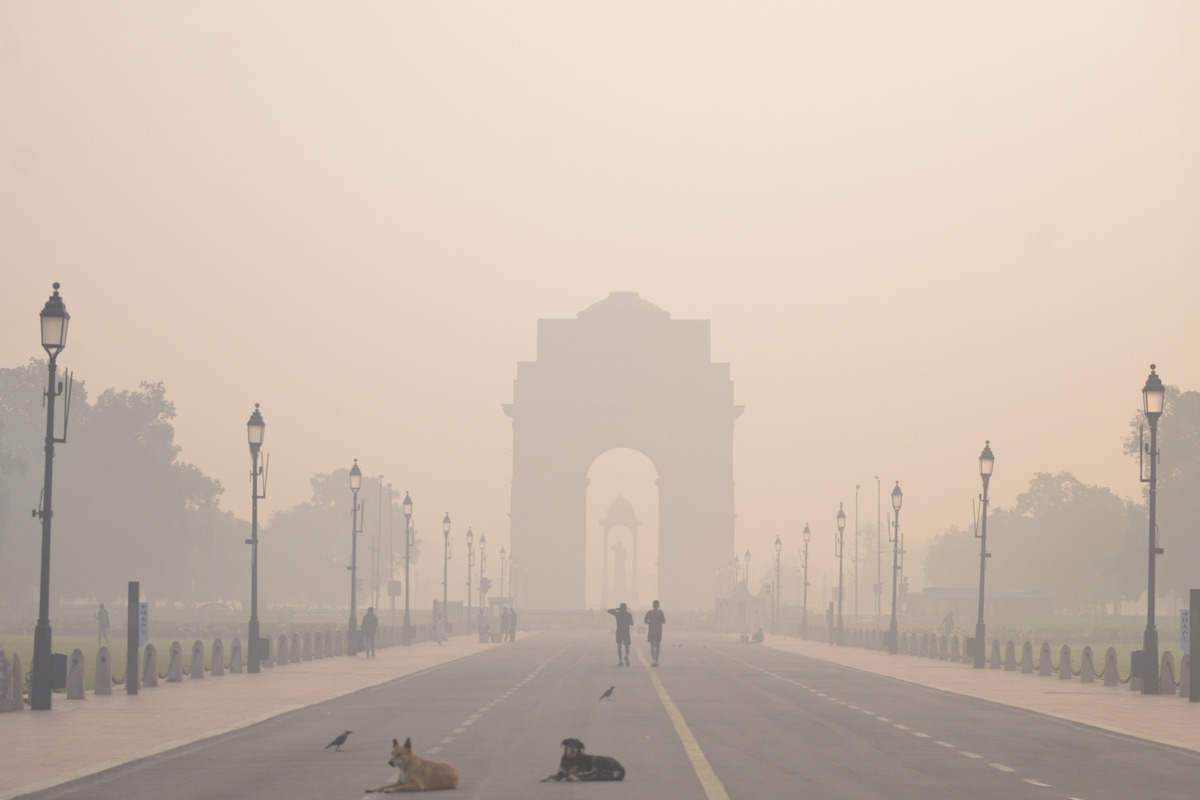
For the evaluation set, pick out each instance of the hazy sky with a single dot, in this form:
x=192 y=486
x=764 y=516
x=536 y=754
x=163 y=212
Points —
x=914 y=227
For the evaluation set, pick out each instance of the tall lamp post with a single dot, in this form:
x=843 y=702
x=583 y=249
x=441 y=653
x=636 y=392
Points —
x=778 y=592
x=255 y=429
x=502 y=557
x=894 y=538
x=986 y=462
x=747 y=569
x=841 y=551
x=470 y=565
x=737 y=572
x=804 y=619
x=407 y=543
x=54 y=338
x=355 y=530
x=482 y=569
x=445 y=566
x=1152 y=403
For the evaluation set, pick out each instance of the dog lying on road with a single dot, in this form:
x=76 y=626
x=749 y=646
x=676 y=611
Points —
x=417 y=774
x=577 y=765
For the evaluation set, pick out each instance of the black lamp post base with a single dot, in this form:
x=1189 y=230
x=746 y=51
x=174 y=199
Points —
x=980 y=645
x=1150 y=661
x=43 y=670
x=253 y=649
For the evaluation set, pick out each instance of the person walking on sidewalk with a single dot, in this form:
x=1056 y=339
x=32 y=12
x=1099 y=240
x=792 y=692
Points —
x=102 y=625
x=655 y=619
x=370 y=624
x=624 y=623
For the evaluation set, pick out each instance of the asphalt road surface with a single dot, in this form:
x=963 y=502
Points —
x=717 y=719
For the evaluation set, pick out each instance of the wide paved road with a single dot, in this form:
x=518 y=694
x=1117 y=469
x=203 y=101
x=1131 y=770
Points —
x=717 y=719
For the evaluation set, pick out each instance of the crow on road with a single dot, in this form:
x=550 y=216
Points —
x=608 y=693
x=339 y=741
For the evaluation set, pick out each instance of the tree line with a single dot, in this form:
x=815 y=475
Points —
x=127 y=507
x=1084 y=545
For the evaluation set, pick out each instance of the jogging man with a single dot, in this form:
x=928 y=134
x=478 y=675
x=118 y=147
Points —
x=654 y=621
x=624 y=623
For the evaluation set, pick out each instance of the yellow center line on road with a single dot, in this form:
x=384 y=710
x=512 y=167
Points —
x=713 y=789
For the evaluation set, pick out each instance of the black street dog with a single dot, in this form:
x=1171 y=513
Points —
x=577 y=765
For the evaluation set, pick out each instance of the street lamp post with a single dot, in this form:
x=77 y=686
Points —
x=986 y=462
x=840 y=547
x=1152 y=403
x=355 y=530
x=54 y=338
x=470 y=565
x=778 y=592
x=804 y=619
x=445 y=567
x=407 y=543
x=502 y=557
x=894 y=538
x=747 y=569
x=482 y=568
x=255 y=429
x=737 y=572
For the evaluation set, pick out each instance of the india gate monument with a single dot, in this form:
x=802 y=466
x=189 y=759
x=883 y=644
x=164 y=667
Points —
x=622 y=374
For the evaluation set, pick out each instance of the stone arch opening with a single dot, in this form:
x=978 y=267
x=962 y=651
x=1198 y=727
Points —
x=622 y=530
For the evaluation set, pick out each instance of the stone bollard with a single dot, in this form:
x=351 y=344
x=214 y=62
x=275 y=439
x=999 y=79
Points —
x=294 y=654
x=197 y=668
x=1185 y=677
x=15 y=691
x=995 y=662
x=1166 y=674
x=319 y=645
x=75 y=675
x=1027 y=658
x=1110 y=667
x=338 y=648
x=1044 y=666
x=328 y=644
x=281 y=650
x=306 y=653
x=903 y=649
x=943 y=652
x=1010 y=657
x=175 y=663
x=1087 y=666
x=1064 y=664
x=103 y=672
x=235 y=656
x=150 y=666
x=218 y=658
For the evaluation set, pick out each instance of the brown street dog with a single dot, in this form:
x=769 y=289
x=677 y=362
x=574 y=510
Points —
x=577 y=765
x=417 y=774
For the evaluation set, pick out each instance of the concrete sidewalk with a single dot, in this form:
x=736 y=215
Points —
x=1167 y=719
x=104 y=731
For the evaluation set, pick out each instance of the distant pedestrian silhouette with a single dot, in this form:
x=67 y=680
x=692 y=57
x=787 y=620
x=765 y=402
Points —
x=370 y=624
x=655 y=619
x=102 y=625
x=624 y=623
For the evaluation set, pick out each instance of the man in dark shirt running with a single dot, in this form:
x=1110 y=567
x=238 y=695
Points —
x=654 y=621
x=624 y=623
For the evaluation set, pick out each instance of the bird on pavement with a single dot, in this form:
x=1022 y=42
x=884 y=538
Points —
x=339 y=741
x=608 y=693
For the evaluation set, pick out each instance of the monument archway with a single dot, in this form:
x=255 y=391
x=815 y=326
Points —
x=622 y=374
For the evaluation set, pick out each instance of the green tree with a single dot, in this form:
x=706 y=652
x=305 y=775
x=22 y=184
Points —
x=1061 y=537
x=125 y=506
